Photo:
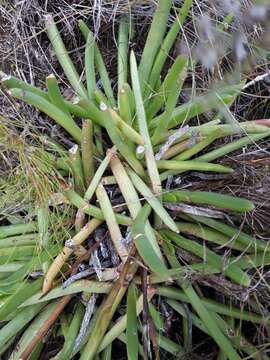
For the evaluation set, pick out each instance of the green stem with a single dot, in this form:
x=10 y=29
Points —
x=55 y=94
x=233 y=271
x=170 y=92
x=191 y=165
x=87 y=151
x=92 y=210
x=154 y=40
x=142 y=243
x=17 y=229
x=63 y=57
x=210 y=198
x=228 y=148
x=90 y=66
x=77 y=169
x=252 y=244
x=149 y=154
x=123 y=38
x=101 y=67
x=98 y=175
x=13 y=327
x=213 y=306
x=168 y=43
x=152 y=200
x=132 y=200
x=49 y=109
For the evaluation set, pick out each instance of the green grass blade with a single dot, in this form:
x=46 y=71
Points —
x=98 y=175
x=121 y=324
x=211 y=235
x=101 y=67
x=209 y=321
x=100 y=98
x=17 y=229
x=23 y=292
x=32 y=330
x=252 y=244
x=187 y=154
x=72 y=333
x=11 y=82
x=12 y=328
x=17 y=253
x=168 y=92
x=157 y=319
x=125 y=109
x=43 y=217
x=88 y=286
x=132 y=334
x=76 y=200
x=152 y=200
x=197 y=106
x=213 y=306
x=107 y=310
x=126 y=129
x=132 y=200
x=90 y=66
x=154 y=40
x=237 y=144
x=77 y=169
x=171 y=91
x=168 y=43
x=87 y=151
x=142 y=243
x=233 y=272
x=149 y=154
x=123 y=39
x=63 y=57
x=210 y=198
x=124 y=149
x=176 y=167
x=51 y=110
x=55 y=95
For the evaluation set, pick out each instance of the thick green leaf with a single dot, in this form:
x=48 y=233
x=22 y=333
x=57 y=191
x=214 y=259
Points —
x=152 y=200
x=142 y=242
x=210 y=198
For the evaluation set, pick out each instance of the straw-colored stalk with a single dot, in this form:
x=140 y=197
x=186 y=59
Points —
x=111 y=221
x=66 y=252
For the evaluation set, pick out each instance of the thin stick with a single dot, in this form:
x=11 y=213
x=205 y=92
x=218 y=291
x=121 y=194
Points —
x=108 y=309
x=46 y=326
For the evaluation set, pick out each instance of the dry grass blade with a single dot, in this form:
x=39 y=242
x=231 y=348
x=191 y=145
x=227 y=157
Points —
x=66 y=252
x=110 y=219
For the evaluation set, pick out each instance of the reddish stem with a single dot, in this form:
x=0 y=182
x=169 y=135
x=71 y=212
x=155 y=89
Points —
x=46 y=326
